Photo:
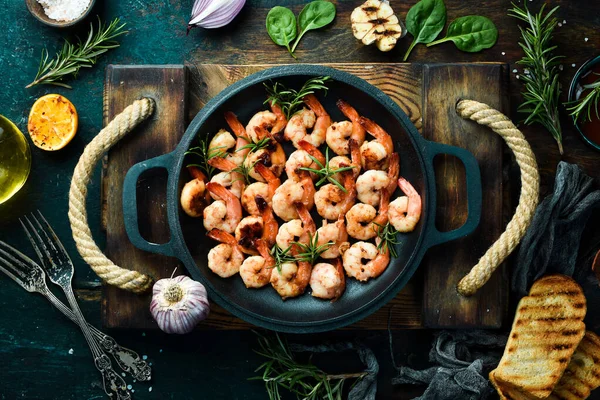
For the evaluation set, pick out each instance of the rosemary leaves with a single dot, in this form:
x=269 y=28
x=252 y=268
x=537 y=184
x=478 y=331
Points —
x=290 y=100
x=71 y=58
x=542 y=89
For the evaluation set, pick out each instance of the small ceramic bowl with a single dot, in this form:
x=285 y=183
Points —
x=37 y=10
x=588 y=65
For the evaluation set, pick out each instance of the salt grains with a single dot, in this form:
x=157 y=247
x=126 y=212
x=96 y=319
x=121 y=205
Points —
x=64 y=10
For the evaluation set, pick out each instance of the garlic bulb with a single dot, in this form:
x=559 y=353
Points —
x=374 y=21
x=178 y=304
x=212 y=14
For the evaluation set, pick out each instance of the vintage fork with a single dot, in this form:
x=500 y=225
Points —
x=59 y=268
x=30 y=276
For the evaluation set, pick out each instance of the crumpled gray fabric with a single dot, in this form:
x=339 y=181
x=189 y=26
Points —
x=551 y=243
x=463 y=360
x=364 y=389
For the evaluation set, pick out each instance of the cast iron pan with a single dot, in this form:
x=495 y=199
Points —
x=264 y=307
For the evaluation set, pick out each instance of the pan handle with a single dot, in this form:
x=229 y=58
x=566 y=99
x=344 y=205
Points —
x=130 y=211
x=474 y=195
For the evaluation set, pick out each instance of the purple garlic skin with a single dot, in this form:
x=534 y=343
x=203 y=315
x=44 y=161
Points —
x=179 y=304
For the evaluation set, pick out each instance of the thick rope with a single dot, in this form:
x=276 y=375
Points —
x=111 y=134
x=528 y=201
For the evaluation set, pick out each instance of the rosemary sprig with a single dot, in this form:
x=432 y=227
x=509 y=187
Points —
x=308 y=252
x=244 y=170
x=542 y=89
x=585 y=105
x=305 y=380
x=203 y=154
x=312 y=251
x=254 y=147
x=326 y=172
x=72 y=57
x=290 y=100
x=388 y=235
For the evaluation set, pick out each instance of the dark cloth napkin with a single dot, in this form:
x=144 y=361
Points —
x=463 y=359
x=551 y=244
x=365 y=388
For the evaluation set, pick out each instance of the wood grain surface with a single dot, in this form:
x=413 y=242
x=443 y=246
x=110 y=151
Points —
x=446 y=264
x=403 y=83
x=167 y=86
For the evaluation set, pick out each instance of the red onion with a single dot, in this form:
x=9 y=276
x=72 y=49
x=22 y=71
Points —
x=212 y=14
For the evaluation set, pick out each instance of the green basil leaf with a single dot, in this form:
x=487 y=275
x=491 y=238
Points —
x=314 y=15
x=472 y=33
x=281 y=26
x=425 y=20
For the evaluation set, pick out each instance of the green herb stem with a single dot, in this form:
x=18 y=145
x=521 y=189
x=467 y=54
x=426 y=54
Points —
x=582 y=108
x=290 y=100
x=542 y=89
x=71 y=58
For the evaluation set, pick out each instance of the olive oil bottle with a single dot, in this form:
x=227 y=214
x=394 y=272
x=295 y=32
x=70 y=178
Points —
x=15 y=159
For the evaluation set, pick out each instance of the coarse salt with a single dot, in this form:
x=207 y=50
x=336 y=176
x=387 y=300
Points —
x=64 y=10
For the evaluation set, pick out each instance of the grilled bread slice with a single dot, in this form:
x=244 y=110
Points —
x=547 y=328
x=509 y=393
x=583 y=372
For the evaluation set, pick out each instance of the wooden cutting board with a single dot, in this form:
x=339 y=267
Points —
x=427 y=93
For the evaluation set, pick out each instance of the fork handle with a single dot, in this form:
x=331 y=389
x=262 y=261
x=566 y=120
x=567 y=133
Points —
x=127 y=359
x=112 y=382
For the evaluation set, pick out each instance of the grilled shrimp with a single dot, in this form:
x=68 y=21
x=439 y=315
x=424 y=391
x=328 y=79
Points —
x=249 y=196
x=363 y=221
x=358 y=132
x=242 y=140
x=291 y=231
x=270 y=225
x=284 y=198
x=332 y=232
x=328 y=281
x=374 y=154
x=194 y=196
x=271 y=156
x=337 y=137
x=264 y=190
x=272 y=122
x=256 y=270
x=296 y=160
x=315 y=118
x=370 y=184
x=404 y=212
x=339 y=162
x=229 y=178
x=248 y=230
x=363 y=261
x=223 y=214
x=226 y=258
x=331 y=201
x=222 y=142
x=292 y=278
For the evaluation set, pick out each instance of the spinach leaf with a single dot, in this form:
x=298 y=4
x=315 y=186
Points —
x=314 y=15
x=472 y=33
x=281 y=26
x=425 y=20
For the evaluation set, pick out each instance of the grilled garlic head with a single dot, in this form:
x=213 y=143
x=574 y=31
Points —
x=178 y=304
x=374 y=21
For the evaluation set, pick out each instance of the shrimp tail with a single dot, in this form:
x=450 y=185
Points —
x=312 y=150
x=235 y=125
x=222 y=164
x=307 y=221
x=270 y=225
x=348 y=110
x=197 y=173
x=315 y=105
x=356 y=157
x=221 y=236
x=393 y=172
x=280 y=123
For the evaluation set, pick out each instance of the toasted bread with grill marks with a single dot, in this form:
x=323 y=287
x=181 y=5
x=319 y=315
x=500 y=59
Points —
x=583 y=372
x=509 y=393
x=547 y=328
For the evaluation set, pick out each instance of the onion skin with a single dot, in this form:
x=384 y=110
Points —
x=212 y=14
